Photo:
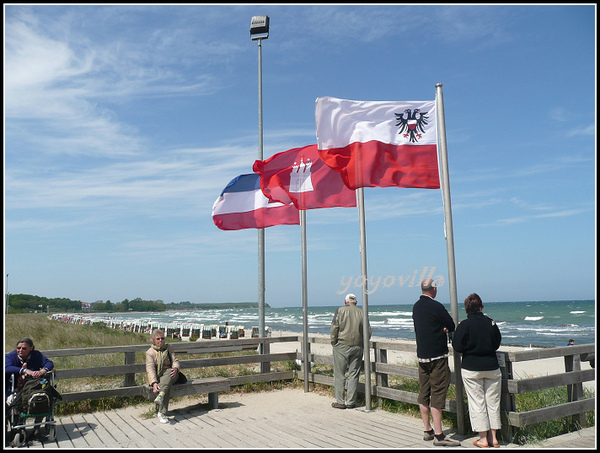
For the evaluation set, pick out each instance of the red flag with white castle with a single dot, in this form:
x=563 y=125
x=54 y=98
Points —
x=379 y=143
x=300 y=176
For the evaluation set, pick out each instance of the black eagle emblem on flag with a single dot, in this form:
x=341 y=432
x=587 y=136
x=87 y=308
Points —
x=412 y=123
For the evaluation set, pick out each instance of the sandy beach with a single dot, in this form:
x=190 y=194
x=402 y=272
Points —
x=522 y=370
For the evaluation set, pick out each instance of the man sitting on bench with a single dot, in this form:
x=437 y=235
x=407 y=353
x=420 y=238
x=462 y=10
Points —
x=162 y=367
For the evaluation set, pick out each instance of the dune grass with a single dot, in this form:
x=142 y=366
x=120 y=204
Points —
x=47 y=334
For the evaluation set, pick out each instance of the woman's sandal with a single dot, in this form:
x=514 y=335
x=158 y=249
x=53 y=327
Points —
x=476 y=443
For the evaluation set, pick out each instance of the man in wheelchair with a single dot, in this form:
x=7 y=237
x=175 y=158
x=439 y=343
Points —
x=28 y=392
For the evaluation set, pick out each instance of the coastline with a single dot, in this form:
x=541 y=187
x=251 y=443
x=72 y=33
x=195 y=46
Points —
x=521 y=370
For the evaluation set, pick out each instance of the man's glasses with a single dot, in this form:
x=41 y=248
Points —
x=159 y=338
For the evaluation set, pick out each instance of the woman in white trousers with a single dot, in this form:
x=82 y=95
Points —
x=478 y=338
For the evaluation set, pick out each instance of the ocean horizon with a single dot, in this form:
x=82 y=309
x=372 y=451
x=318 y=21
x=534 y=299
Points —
x=530 y=323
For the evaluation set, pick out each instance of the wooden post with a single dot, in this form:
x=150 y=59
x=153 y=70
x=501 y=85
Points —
x=575 y=391
x=381 y=356
x=130 y=377
x=305 y=365
x=213 y=400
x=507 y=400
x=265 y=367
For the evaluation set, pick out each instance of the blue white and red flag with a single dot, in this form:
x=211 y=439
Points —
x=242 y=205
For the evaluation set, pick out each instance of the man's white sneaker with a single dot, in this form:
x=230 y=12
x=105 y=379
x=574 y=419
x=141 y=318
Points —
x=159 y=398
x=162 y=418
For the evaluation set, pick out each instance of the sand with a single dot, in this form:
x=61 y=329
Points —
x=521 y=370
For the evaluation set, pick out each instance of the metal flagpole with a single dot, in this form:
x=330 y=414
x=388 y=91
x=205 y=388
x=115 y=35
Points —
x=363 y=261
x=305 y=355
x=439 y=98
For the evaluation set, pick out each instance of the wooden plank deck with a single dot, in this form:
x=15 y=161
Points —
x=277 y=419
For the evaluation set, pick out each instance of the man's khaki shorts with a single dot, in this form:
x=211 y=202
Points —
x=434 y=380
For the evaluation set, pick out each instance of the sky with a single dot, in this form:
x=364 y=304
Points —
x=123 y=124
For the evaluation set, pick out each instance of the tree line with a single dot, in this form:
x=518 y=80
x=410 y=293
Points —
x=27 y=303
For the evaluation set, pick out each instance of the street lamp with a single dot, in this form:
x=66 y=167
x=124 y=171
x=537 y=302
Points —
x=259 y=30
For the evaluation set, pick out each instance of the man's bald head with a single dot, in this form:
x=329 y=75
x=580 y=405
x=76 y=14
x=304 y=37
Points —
x=428 y=287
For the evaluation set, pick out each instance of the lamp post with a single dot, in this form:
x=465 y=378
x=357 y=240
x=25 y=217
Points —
x=259 y=30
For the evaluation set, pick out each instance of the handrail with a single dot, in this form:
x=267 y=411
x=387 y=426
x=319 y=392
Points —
x=572 y=377
x=130 y=368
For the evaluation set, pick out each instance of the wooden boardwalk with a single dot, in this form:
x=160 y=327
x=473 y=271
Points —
x=276 y=419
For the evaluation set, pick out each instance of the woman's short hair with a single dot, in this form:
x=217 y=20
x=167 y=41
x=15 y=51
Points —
x=473 y=304
x=156 y=333
x=27 y=341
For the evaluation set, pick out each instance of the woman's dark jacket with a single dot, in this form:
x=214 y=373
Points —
x=477 y=338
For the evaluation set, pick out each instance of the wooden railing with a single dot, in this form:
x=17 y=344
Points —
x=130 y=368
x=572 y=377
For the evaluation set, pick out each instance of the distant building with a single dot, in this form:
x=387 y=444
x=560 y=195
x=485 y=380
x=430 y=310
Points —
x=85 y=306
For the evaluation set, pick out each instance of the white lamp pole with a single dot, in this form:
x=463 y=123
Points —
x=259 y=30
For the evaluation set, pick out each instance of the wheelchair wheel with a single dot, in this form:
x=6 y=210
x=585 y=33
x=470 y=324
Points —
x=20 y=438
x=8 y=430
x=51 y=433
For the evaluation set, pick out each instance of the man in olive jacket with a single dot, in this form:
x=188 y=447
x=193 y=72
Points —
x=347 y=341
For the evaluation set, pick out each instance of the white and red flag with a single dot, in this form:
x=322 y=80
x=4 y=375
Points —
x=379 y=143
x=300 y=176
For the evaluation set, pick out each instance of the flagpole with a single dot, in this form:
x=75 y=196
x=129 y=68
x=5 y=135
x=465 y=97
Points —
x=450 y=248
x=365 y=296
x=305 y=355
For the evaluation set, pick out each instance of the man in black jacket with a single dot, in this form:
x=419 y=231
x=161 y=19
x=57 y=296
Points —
x=432 y=322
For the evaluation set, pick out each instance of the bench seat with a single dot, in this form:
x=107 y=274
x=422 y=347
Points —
x=210 y=385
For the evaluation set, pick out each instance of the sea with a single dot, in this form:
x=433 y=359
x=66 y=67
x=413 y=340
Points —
x=533 y=323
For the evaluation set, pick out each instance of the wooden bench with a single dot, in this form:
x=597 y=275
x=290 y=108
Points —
x=210 y=385
x=130 y=369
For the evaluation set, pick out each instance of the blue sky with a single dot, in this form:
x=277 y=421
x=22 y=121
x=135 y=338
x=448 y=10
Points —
x=124 y=123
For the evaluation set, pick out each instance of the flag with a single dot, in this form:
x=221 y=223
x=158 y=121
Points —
x=301 y=177
x=379 y=144
x=242 y=205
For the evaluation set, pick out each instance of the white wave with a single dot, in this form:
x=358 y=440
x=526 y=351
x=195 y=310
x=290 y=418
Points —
x=555 y=330
x=578 y=312
x=533 y=318
x=391 y=313
x=400 y=322
x=547 y=333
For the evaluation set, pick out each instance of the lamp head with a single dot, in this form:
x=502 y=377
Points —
x=259 y=27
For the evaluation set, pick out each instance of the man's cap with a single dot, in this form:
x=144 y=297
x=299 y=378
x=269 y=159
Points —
x=427 y=284
x=350 y=298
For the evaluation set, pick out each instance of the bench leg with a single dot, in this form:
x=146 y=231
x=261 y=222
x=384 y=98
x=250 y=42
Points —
x=213 y=400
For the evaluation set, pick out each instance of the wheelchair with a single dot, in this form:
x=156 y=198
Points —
x=18 y=412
